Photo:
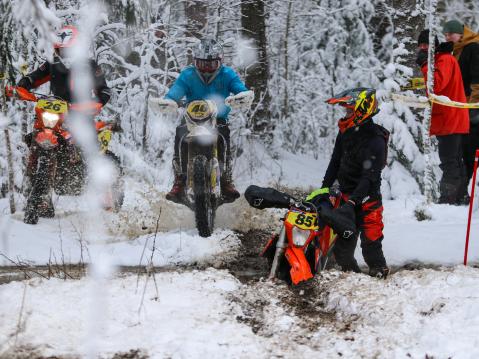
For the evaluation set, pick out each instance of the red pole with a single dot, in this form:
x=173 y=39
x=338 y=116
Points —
x=470 y=206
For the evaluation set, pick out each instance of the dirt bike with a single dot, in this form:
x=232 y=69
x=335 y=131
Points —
x=304 y=242
x=56 y=163
x=203 y=190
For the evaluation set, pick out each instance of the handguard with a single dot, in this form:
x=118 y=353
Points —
x=163 y=105
x=241 y=100
x=261 y=198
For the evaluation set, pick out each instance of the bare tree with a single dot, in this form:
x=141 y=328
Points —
x=253 y=21
x=196 y=12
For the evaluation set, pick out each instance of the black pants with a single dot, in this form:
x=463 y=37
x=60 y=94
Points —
x=370 y=224
x=453 y=185
x=470 y=143
x=224 y=147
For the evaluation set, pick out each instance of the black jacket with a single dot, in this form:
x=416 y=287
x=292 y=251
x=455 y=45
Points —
x=61 y=81
x=358 y=158
x=469 y=64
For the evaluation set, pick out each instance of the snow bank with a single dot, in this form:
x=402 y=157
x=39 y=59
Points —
x=189 y=316
x=209 y=313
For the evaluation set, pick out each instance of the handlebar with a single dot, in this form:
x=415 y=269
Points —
x=25 y=95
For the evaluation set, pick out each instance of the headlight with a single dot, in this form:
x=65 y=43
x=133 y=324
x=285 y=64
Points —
x=300 y=236
x=50 y=119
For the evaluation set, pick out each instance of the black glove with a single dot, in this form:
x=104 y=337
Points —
x=445 y=47
x=25 y=82
x=474 y=116
x=342 y=220
x=421 y=58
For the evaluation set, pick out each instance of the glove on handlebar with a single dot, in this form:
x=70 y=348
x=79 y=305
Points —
x=243 y=99
x=163 y=105
x=342 y=220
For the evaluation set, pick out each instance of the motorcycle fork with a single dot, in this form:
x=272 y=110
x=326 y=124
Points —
x=36 y=152
x=194 y=150
x=280 y=249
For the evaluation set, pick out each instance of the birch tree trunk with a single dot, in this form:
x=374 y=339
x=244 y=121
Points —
x=428 y=173
x=7 y=143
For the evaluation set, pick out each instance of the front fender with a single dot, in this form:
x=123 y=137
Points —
x=300 y=269
x=46 y=139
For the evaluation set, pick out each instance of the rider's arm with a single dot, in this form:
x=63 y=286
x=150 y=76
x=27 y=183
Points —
x=102 y=91
x=373 y=162
x=36 y=78
x=235 y=85
x=333 y=167
x=179 y=89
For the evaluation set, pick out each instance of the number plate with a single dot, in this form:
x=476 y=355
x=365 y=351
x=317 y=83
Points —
x=303 y=220
x=53 y=106
x=104 y=137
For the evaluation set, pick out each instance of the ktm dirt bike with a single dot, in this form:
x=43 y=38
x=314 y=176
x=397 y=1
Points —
x=55 y=162
x=304 y=242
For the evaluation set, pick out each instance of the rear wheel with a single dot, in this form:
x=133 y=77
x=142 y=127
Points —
x=204 y=201
x=39 y=201
x=117 y=189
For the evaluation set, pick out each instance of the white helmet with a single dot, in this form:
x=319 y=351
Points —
x=208 y=55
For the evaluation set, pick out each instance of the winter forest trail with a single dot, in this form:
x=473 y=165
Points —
x=212 y=294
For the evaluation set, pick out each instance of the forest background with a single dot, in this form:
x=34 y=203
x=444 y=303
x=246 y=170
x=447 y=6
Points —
x=293 y=54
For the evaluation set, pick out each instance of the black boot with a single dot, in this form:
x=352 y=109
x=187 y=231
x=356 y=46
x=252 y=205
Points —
x=380 y=273
x=344 y=254
x=228 y=190
x=177 y=192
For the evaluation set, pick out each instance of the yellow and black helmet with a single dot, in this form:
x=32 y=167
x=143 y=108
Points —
x=361 y=104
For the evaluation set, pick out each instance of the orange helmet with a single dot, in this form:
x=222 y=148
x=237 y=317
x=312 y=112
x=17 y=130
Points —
x=66 y=37
x=360 y=104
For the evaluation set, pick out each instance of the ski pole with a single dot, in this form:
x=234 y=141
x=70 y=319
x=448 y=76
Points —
x=471 y=201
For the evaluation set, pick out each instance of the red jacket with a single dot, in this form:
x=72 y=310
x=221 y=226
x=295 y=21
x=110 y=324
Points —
x=447 y=120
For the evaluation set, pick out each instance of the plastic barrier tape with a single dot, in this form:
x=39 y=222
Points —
x=423 y=102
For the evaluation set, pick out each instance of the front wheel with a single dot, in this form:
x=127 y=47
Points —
x=204 y=201
x=39 y=201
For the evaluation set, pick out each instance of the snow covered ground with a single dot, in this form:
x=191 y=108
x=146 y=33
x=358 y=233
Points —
x=190 y=311
x=417 y=314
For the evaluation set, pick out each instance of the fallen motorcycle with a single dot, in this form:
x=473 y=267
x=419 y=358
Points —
x=304 y=243
x=56 y=162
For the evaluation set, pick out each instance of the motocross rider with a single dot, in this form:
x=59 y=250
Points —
x=59 y=73
x=206 y=79
x=359 y=155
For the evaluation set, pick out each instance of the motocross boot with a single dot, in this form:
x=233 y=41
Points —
x=380 y=273
x=228 y=190
x=177 y=192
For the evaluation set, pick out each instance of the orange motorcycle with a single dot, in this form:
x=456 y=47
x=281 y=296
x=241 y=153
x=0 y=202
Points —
x=304 y=243
x=55 y=162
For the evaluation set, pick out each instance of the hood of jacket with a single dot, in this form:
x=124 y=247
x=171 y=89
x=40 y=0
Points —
x=468 y=38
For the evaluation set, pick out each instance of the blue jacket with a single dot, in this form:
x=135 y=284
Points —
x=190 y=85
